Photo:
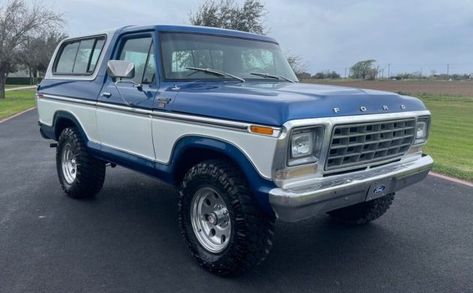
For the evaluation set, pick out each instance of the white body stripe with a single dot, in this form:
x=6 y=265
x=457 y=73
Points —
x=84 y=113
x=126 y=131
x=153 y=137
x=258 y=149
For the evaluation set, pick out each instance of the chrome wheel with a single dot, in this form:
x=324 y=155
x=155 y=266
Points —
x=69 y=164
x=210 y=220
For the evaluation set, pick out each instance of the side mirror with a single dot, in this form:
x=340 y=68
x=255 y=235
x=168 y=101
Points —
x=121 y=69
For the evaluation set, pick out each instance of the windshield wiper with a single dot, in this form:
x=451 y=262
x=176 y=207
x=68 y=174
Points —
x=278 y=77
x=215 y=72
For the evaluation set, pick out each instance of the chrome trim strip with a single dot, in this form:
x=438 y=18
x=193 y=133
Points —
x=125 y=109
x=354 y=119
x=67 y=99
x=202 y=120
x=227 y=124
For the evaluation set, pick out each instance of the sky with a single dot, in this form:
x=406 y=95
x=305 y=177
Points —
x=402 y=36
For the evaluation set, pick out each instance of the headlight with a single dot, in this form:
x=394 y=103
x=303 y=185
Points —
x=302 y=144
x=422 y=130
x=305 y=146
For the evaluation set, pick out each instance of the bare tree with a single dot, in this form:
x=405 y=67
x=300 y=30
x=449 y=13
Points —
x=18 y=22
x=297 y=65
x=227 y=14
x=36 y=52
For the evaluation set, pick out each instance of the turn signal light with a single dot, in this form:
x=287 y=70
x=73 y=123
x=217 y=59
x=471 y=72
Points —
x=261 y=130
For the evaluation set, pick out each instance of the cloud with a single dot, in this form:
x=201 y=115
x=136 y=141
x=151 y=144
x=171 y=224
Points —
x=409 y=35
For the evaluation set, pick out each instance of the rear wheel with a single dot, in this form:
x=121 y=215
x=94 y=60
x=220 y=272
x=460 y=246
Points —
x=80 y=174
x=364 y=212
x=224 y=228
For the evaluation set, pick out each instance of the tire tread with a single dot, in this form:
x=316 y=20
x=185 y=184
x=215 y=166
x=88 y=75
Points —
x=254 y=239
x=90 y=171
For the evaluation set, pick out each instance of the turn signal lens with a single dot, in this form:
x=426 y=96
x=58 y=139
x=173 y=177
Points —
x=261 y=130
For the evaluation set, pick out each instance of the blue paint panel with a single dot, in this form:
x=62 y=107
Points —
x=274 y=103
x=82 y=89
x=199 y=30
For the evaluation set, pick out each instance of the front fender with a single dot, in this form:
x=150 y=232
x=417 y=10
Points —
x=258 y=185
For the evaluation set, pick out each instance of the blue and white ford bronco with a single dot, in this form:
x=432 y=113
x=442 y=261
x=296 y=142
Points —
x=220 y=114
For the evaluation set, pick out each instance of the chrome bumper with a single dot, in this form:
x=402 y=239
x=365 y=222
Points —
x=334 y=192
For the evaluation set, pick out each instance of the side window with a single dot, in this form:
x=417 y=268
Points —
x=79 y=57
x=140 y=52
x=96 y=54
x=83 y=56
x=150 y=69
x=65 y=64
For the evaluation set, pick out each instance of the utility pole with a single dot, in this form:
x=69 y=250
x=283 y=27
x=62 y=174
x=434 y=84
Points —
x=448 y=70
x=389 y=70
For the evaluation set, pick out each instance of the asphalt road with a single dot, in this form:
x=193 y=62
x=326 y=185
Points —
x=127 y=240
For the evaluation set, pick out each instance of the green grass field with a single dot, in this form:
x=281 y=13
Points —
x=16 y=101
x=451 y=135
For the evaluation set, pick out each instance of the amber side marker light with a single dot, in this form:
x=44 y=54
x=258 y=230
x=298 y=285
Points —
x=261 y=130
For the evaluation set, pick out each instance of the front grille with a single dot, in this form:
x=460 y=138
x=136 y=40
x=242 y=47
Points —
x=362 y=144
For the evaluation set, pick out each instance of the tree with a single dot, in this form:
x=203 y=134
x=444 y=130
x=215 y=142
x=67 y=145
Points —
x=297 y=65
x=247 y=18
x=365 y=69
x=326 y=75
x=227 y=14
x=18 y=23
x=36 y=52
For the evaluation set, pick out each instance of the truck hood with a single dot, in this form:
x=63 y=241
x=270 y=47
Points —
x=276 y=103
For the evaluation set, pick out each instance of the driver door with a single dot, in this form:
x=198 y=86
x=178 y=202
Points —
x=122 y=119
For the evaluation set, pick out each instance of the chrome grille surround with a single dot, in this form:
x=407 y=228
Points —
x=357 y=145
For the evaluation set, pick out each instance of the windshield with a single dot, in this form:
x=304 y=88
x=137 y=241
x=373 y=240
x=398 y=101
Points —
x=240 y=57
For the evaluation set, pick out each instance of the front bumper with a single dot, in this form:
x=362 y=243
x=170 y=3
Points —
x=334 y=192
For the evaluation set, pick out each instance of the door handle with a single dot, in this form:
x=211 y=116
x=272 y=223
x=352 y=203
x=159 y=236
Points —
x=162 y=102
x=106 y=94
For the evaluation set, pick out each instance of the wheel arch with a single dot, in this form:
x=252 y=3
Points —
x=63 y=119
x=191 y=150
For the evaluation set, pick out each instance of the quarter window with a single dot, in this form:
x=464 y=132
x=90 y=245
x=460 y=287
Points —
x=83 y=56
x=79 y=57
x=140 y=52
x=65 y=63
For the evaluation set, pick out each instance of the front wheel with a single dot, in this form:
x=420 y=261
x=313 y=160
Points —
x=80 y=174
x=224 y=228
